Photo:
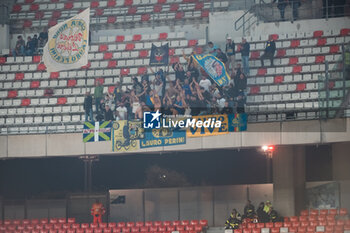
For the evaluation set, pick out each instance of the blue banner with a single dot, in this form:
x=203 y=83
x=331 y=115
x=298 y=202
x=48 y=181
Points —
x=163 y=137
x=237 y=122
x=214 y=68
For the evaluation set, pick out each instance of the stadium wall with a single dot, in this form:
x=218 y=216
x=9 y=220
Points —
x=258 y=134
x=5 y=37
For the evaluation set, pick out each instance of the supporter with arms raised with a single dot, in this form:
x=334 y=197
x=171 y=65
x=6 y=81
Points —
x=212 y=48
x=269 y=52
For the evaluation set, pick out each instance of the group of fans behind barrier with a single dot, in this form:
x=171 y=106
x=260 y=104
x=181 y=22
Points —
x=264 y=213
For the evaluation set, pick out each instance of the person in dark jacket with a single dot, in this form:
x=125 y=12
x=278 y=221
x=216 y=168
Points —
x=295 y=4
x=108 y=113
x=249 y=210
x=230 y=52
x=281 y=5
x=222 y=56
x=270 y=50
x=245 y=51
x=262 y=215
x=240 y=82
x=88 y=106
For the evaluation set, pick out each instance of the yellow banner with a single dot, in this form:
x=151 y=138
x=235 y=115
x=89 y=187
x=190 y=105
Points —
x=211 y=130
x=121 y=137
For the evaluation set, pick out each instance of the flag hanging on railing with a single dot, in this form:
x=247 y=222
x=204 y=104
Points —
x=97 y=131
x=159 y=55
x=68 y=44
x=214 y=68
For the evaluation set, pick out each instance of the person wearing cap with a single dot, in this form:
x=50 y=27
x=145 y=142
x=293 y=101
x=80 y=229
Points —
x=245 y=52
x=231 y=53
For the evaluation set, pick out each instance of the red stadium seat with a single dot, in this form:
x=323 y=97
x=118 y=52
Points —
x=143 y=229
x=205 y=14
x=318 y=34
x=72 y=83
x=171 y=228
x=34 y=84
x=98 y=230
x=246 y=230
x=161 y=1
x=85 y=225
x=278 y=224
x=163 y=36
x=165 y=223
x=130 y=224
x=179 y=15
x=148 y=223
x=132 y=10
x=99 y=12
x=16 y=8
x=52 y=23
x=116 y=230
x=331 y=222
x=347 y=227
x=188 y=228
x=198 y=228
x=278 y=79
x=199 y=6
x=260 y=225
x=321 y=42
x=256 y=230
x=56 y=14
x=254 y=90
x=340 y=222
x=320 y=59
x=162 y=228
x=313 y=223
x=126 y=229
x=203 y=222
x=174 y=7
x=111 y=3
x=19 y=76
x=174 y=60
x=311 y=228
x=301 y=229
x=301 y=86
x=323 y=211
x=135 y=229
x=87 y=66
x=36 y=59
x=94 y=4
x=112 y=64
x=294 y=43
x=274 y=36
x=112 y=224
x=292 y=229
x=333 y=212
x=102 y=48
x=251 y=225
x=344 y=31
x=29 y=1
x=119 y=38
x=262 y=71
x=303 y=218
x=157 y=8
x=68 y=5
x=111 y=19
x=153 y=228
x=102 y=81
x=136 y=37
x=343 y=211
x=129 y=47
x=140 y=71
x=192 y=42
x=34 y=7
x=27 y=23
x=41 y=67
x=287 y=224
x=172 y=52
x=180 y=228
x=39 y=15
x=275 y=230
x=75 y=226
x=107 y=56
x=293 y=60
x=61 y=100
x=281 y=53
x=2 y=60
x=238 y=231
x=254 y=55
x=145 y=17
x=330 y=217
x=269 y=224
x=297 y=69
x=128 y=2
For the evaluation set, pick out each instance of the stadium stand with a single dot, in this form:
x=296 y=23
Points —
x=292 y=85
x=61 y=225
x=38 y=14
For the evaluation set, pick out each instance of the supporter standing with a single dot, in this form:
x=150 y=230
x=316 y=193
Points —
x=88 y=106
x=121 y=112
x=270 y=50
x=205 y=83
x=245 y=51
x=19 y=48
x=30 y=47
x=108 y=115
x=295 y=4
x=281 y=5
x=230 y=52
x=98 y=94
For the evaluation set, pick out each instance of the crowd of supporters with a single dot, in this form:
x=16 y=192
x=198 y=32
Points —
x=192 y=92
x=31 y=47
x=264 y=213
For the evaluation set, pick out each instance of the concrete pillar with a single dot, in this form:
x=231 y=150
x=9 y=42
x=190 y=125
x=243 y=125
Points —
x=289 y=179
x=341 y=171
